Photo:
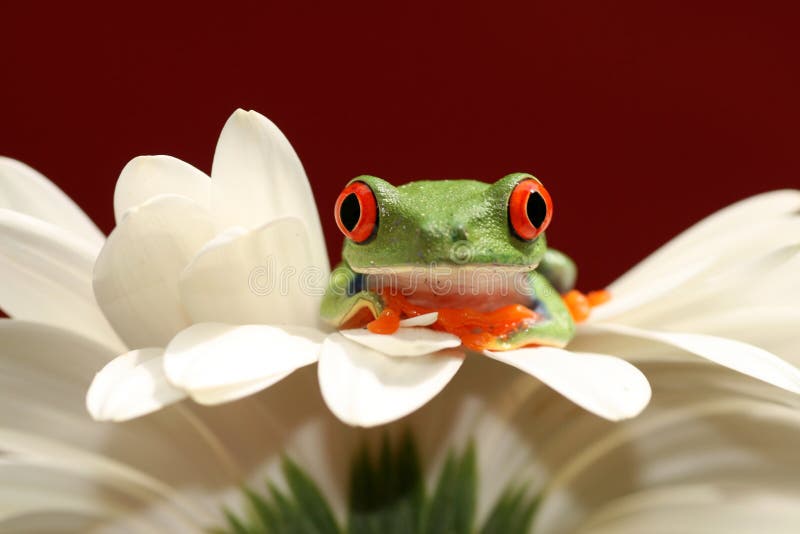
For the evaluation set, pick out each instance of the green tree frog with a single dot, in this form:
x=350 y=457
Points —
x=474 y=253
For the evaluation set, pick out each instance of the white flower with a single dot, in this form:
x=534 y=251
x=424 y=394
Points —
x=188 y=281
x=714 y=451
x=182 y=280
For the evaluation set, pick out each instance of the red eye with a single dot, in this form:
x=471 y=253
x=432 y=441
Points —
x=357 y=212
x=529 y=209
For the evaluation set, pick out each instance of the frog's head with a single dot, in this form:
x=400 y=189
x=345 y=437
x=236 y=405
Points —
x=444 y=222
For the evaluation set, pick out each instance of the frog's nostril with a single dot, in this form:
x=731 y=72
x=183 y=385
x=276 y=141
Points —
x=458 y=233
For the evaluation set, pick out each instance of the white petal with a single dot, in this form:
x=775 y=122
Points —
x=25 y=190
x=265 y=276
x=40 y=499
x=131 y=385
x=109 y=480
x=742 y=357
x=705 y=425
x=44 y=376
x=363 y=387
x=426 y=319
x=699 y=509
x=207 y=356
x=604 y=385
x=39 y=496
x=412 y=341
x=145 y=177
x=45 y=371
x=46 y=275
x=780 y=287
x=230 y=393
x=658 y=288
x=257 y=177
x=697 y=241
x=772 y=328
x=758 y=271
x=136 y=274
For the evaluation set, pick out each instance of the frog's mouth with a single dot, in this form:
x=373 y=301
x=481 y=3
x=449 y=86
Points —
x=476 y=287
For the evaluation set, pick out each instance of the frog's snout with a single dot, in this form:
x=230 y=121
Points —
x=458 y=233
x=439 y=235
x=449 y=244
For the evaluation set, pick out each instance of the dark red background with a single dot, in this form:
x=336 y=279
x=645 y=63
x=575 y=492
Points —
x=640 y=117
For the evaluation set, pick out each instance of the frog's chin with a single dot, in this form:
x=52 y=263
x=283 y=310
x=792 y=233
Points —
x=477 y=287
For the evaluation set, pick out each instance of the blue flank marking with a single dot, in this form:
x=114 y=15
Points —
x=537 y=306
x=356 y=285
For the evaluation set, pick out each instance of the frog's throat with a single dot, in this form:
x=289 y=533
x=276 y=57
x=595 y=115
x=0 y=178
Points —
x=445 y=268
x=482 y=288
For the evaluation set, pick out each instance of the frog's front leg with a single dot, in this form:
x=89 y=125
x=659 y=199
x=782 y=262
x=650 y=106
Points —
x=346 y=303
x=555 y=326
x=559 y=270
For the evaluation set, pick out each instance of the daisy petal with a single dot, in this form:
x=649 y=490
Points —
x=426 y=319
x=136 y=274
x=742 y=357
x=264 y=276
x=208 y=356
x=763 y=281
x=257 y=177
x=33 y=359
x=771 y=328
x=47 y=278
x=220 y=395
x=413 y=341
x=363 y=387
x=738 y=272
x=658 y=289
x=45 y=373
x=604 y=385
x=25 y=190
x=131 y=385
x=146 y=177
x=699 y=508
x=706 y=237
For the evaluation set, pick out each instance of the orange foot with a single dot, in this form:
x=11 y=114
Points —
x=580 y=305
x=475 y=328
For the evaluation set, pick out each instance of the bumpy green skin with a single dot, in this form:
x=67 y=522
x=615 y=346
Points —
x=460 y=223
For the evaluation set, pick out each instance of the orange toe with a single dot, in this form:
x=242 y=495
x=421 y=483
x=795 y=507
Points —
x=577 y=304
x=580 y=305
x=386 y=323
x=596 y=298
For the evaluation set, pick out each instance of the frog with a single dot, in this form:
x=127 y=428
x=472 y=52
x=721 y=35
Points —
x=465 y=249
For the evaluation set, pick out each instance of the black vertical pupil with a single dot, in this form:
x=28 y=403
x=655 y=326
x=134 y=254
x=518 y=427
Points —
x=350 y=212
x=536 y=209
